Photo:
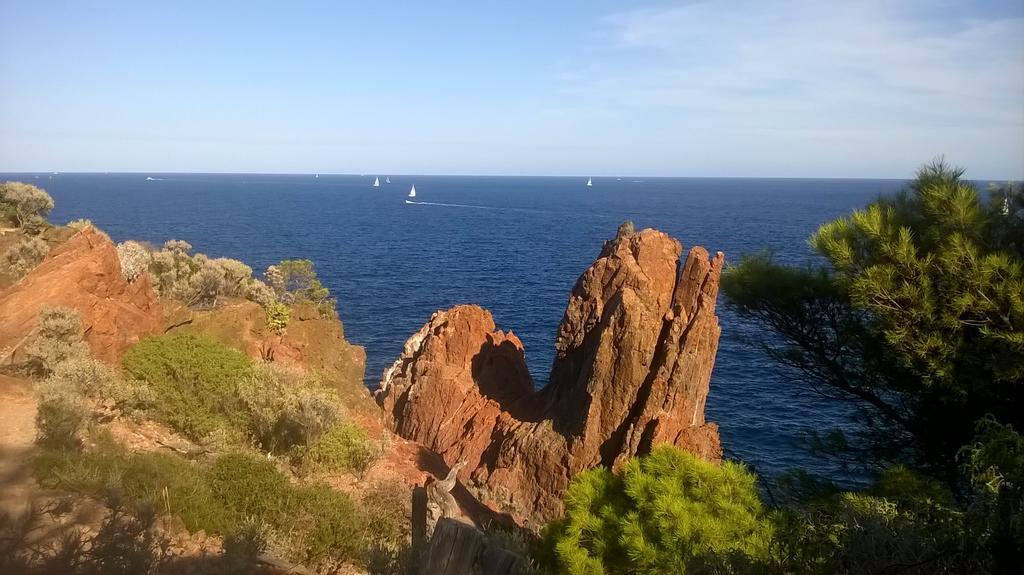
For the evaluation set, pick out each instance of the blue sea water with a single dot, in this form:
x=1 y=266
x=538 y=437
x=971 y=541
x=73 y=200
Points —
x=514 y=245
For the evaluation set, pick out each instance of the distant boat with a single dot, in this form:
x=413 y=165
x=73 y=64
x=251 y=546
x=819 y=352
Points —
x=387 y=179
x=590 y=182
x=317 y=176
x=150 y=179
x=412 y=192
x=376 y=182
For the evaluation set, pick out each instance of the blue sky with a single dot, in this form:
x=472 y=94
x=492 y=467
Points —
x=740 y=88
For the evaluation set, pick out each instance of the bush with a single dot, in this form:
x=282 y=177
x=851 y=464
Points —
x=286 y=409
x=134 y=258
x=27 y=203
x=25 y=255
x=61 y=415
x=669 y=512
x=237 y=495
x=278 y=316
x=295 y=281
x=58 y=339
x=344 y=447
x=194 y=379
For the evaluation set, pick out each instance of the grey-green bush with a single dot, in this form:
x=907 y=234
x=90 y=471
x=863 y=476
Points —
x=25 y=255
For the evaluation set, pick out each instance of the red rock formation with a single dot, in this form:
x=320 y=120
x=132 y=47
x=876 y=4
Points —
x=83 y=273
x=635 y=351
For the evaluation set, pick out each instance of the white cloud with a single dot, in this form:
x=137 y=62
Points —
x=870 y=81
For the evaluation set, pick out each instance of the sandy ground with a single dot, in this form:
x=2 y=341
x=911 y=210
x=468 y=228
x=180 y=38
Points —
x=17 y=434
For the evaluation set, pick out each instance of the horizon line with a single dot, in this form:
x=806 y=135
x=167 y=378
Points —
x=478 y=175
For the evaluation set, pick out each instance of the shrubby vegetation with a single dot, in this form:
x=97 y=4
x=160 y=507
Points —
x=25 y=255
x=25 y=206
x=215 y=394
x=667 y=513
x=295 y=281
x=242 y=496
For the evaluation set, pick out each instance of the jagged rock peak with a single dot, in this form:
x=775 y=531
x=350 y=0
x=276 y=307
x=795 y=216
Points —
x=634 y=354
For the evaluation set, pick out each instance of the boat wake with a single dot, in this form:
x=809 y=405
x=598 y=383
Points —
x=455 y=205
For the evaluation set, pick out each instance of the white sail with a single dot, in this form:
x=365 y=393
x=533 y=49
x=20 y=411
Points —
x=387 y=179
x=590 y=182
x=376 y=182
x=412 y=192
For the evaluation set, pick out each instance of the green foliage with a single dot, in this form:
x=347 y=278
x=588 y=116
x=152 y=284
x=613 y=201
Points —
x=917 y=320
x=278 y=316
x=994 y=466
x=295 y=281
x=194 y=379
x=61 y=415
x=25 y=255
x=26 y=204
x=285 y=409
x=344 y=447
x=310 y=523
x=669 y=512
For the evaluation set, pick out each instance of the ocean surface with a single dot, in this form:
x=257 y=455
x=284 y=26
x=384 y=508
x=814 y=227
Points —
x=514 y=245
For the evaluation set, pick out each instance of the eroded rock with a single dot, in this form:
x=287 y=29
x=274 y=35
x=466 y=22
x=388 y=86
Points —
x=82 y=273
x=635 y=350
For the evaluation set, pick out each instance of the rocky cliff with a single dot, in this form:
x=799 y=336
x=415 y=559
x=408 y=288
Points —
x=82 y=273
x=634 y=354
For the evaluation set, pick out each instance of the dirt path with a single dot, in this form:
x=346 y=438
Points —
x=17 y=434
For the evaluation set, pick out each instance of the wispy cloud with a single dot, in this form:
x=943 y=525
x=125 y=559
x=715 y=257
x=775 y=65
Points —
x=884 y=80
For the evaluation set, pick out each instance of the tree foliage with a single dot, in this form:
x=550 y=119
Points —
x=25 y=204
x=669 y=512
x=918 y=318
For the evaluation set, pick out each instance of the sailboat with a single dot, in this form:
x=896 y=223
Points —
x=317 y=176
x=387 y=179
x=590 y=182
x=412 y=194
x=376 y=182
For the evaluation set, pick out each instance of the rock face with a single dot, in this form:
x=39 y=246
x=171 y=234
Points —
x=635 y=351
x=82 y=273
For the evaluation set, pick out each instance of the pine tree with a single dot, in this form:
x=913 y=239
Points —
x=918 y=319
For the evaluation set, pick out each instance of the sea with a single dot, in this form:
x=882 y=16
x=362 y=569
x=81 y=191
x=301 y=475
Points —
x=514 y=245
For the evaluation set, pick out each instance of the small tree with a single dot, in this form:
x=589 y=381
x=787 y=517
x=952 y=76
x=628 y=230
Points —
x=27 y=203
x=669 y=512
x=295 y=281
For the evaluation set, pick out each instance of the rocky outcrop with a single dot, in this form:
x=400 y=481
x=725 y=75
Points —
x=82 y=273
x=635 y=351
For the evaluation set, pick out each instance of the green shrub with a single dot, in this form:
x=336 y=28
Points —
x=344 y=447
x=249 y=486
x=278 y=315
x=194 y=379
x=243 y=546
x=61 y=415
x=669 y=512
x=25 y=255
x=329 y=525
x=284 y=408
x=295 y=281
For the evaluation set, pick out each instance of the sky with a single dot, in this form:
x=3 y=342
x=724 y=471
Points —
x=751 y=88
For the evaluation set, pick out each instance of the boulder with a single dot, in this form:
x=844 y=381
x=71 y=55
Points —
x=634 y=354
x=83 y=273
